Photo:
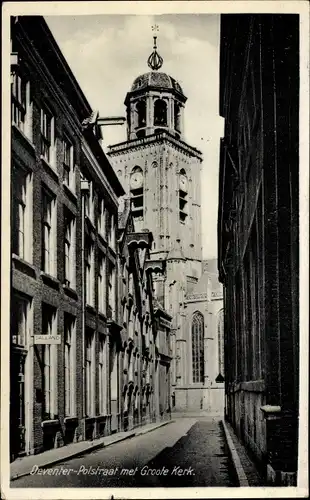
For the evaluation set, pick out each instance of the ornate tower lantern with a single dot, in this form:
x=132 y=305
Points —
x=155 y=102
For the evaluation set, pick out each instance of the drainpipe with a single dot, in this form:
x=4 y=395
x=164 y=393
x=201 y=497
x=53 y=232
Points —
x=84 y=190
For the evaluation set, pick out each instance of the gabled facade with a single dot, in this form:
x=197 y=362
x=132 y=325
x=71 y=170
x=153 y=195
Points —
x=144 y=390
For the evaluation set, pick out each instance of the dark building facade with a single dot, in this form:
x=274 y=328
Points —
x=258 y=235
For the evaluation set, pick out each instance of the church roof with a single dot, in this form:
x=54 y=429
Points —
x=157 y=80
x=202 y=285
x=209 y=278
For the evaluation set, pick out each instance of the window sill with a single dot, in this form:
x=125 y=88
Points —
x=50 y=423
x=73 y=421
x=90 y=420
x=90 y=309
x=23 y=266
x=50 y=280
x=112 y=251
x=70 y=193
x=90 y=223
x=70 y=291
x=26 y=140
x=49 y=168
x=102 y=316
x=102 y=238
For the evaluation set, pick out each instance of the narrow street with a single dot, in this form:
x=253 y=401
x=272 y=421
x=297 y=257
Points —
x=188 y=452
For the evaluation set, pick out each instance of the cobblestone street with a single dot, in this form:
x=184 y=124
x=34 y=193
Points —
x=188 y=452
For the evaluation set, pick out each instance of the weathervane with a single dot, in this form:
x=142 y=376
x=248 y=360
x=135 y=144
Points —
x=155 y=61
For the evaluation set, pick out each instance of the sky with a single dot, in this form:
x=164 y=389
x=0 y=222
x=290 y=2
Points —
x=107 y=52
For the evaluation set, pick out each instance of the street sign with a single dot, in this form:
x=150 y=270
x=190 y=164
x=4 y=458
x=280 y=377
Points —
x=47 y=339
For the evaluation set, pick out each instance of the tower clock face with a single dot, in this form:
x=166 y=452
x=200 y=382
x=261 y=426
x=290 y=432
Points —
x=136 y=180
x=183 y=182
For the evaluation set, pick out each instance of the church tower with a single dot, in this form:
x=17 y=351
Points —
x=157 y=168
x=161 y=174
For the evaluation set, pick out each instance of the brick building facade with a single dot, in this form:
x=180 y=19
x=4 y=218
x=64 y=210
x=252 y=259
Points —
x=66 y=327
x=259 y=237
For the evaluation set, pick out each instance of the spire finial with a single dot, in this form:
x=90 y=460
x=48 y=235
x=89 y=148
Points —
x=155 y=61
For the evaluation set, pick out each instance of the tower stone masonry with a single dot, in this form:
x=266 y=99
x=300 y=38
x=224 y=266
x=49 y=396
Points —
x=161 y=173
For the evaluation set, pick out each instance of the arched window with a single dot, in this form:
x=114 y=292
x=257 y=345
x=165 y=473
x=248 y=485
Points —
x=160 y=112
x=220 y=337
x=198 y=347
x=177 y=117
x=141 y=111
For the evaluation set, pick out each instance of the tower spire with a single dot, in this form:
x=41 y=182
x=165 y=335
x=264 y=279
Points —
x=155 y=61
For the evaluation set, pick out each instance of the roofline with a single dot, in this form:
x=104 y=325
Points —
x=142 y=91
x=24 y=22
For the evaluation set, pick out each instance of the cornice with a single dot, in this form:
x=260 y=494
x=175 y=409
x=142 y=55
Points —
x=51 y=85
x=165 y=137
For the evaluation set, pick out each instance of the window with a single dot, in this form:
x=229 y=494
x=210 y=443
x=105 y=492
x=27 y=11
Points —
x=130 y=284
x=102 y=284
x=89 y=272
x=102 y=376
x=22 y=214
x=141 y=113
x=90 y=379
x=20 y=322
x=69 y=250
x=49 y=232
x=160 y=112
x=47 y=136
x=220 y=336
x=21 y=106
x=130 y=366
x=177 y=117
x=68 y=164
x=111 y=230
x=69 y=347
x=101 y=217
x=49 y=357
x=198 y=347
x=111 y=290
x=89 y=202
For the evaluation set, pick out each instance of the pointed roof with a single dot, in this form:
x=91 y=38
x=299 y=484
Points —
x=176 y=252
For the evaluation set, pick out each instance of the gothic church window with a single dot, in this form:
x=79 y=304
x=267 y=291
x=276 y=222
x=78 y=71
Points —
x=198 y=347
x=160 y=113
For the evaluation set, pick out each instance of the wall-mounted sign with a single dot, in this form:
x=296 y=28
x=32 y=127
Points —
x=47 y=339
